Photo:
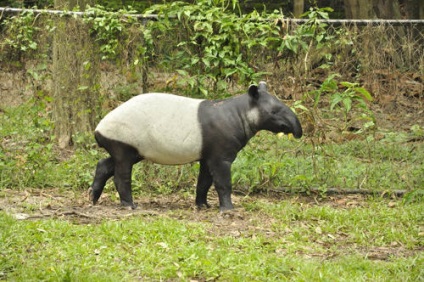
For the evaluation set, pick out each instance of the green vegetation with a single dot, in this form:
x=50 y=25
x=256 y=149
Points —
x=29 y=159
x=277 y=241
x=216 y=44
x=336 y=77
x=362 y=157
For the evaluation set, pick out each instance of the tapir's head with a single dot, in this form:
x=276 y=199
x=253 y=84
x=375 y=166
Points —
x=273 y=115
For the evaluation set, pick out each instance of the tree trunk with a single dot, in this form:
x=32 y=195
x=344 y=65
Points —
x=75 y=76
x=387 y=9
x=371 y=9
x=359 y=9
x=414 y=9
x=298 y=8
x=420 y=9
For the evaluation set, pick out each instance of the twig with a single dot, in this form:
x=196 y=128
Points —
x=332 y=191
x=68 y=213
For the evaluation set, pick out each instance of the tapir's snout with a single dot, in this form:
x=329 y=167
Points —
x=297 y=129
x=293 y=126
x=297 y=132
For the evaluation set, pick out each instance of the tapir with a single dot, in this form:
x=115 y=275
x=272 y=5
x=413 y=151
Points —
x=171 y=130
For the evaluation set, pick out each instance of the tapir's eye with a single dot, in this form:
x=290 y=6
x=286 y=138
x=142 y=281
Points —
x=274 y=112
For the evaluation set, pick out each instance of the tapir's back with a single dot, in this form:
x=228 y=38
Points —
x=164 y=128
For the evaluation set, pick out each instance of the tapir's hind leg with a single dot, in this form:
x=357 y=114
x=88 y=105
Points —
x=123 y=157
x=104 y=170
x=122 y=180
x=204 y=182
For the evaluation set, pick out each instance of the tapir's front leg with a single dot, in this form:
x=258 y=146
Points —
x=221 y=174
x=204 y=182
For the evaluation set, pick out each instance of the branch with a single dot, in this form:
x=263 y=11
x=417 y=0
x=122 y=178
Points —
x=328 y=191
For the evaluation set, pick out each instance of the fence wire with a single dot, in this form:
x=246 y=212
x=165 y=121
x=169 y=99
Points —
x=335 y=22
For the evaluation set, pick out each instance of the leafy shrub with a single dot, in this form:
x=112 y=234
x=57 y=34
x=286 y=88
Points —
x=21 y=30
x=214 y=42
x=108 y=28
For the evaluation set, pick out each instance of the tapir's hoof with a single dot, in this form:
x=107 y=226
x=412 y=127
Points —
x=91 y=196
x=128 y=206
x=203 y=206
x=226 y=208
x=232 y=214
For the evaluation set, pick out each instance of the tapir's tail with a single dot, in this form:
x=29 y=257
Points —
x=98 y=138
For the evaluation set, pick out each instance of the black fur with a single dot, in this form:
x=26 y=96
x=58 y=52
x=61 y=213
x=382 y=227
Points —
x=119 y=165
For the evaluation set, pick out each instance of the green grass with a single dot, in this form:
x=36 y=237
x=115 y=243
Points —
x=374 y=165
x=296 y=242
x=28 y=158
x=288 y=240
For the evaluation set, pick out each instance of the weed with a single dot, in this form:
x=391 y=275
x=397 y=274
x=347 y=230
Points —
x=312 y=34
x=108 y=27
x=23 y=28
x=352 y=102
x=213 y=50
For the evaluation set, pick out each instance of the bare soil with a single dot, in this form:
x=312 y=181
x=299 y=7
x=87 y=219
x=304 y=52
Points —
x=35 y=204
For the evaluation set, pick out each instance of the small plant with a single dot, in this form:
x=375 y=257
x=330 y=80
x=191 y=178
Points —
x=352 y=96
x=417 y=131
x=108 y=27
x=21 y=29
x=313 y=33
x=213 y=49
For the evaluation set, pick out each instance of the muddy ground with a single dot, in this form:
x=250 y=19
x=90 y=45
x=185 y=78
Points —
x=35 y=204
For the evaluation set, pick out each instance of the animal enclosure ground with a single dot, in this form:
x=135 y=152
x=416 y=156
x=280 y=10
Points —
x=382 y=237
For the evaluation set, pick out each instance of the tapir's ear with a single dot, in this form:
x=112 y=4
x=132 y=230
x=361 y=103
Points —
x=253 y=91
x=262 y=86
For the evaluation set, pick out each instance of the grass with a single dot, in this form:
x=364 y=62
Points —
x=374 y=165
x=336 y=239
x=28 y=159
x=298 y=241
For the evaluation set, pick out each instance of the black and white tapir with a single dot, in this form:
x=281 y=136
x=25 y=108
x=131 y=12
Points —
x=169 y=129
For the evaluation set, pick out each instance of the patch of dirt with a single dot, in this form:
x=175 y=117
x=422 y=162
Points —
x=36 y=204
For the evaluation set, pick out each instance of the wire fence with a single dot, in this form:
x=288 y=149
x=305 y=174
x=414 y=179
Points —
x=358 y=22
x=388 y=56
